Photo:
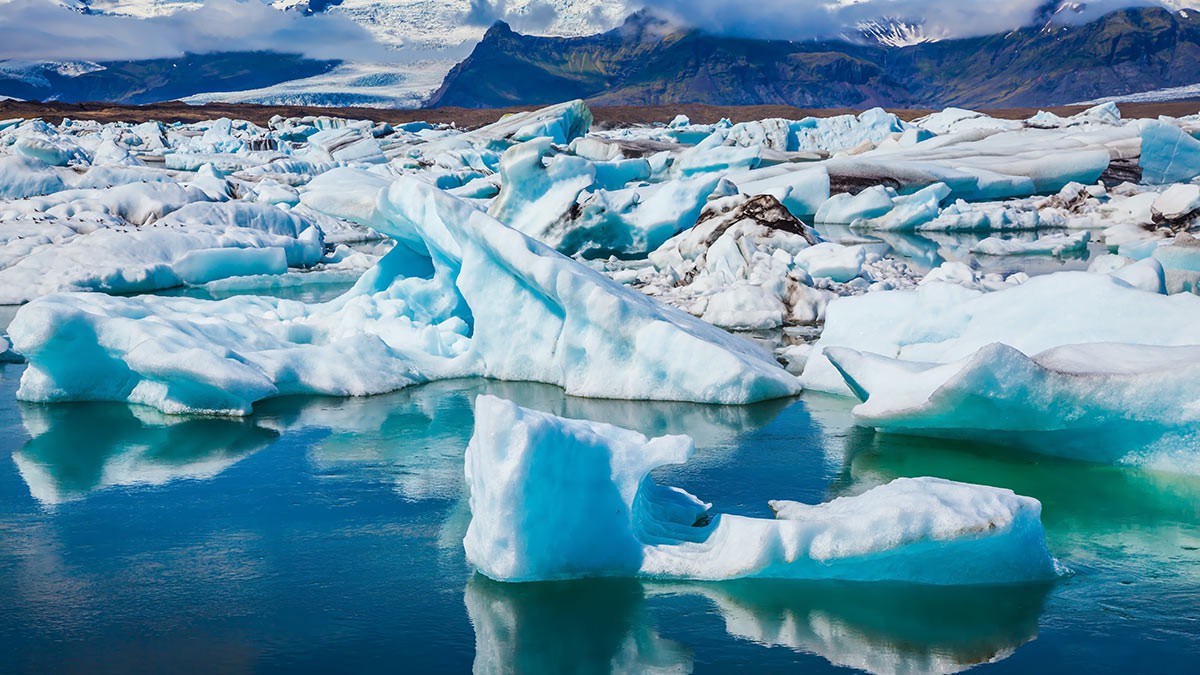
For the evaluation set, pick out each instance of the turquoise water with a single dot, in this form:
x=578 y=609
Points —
x=325 y=534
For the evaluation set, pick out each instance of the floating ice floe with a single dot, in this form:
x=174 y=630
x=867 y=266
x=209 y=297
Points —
x=445 y=302
x=943 y=322
x=1103 y=402
x=1052 y=244
x=523 y=466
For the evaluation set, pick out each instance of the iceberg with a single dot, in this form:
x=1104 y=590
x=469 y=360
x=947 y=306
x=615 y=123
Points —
x=197 y=243
x=1051 y=244
x=743 y=266
x=1102 y=402
x=944 y=322
x=557 y=499
x=1169 y=154
x=581 y=207
x=445 y=302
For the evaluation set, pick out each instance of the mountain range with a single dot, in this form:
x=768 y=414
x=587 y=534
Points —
x=647 y=61
x=1147 y=53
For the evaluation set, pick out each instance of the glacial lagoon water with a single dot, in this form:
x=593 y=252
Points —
x=325 y=535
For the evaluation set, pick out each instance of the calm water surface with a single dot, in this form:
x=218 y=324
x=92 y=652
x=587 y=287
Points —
x=325 y=535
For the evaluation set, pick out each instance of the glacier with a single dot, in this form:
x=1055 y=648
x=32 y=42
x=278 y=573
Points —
x=523 y=467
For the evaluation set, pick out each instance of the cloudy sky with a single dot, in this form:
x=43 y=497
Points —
x=48 y=30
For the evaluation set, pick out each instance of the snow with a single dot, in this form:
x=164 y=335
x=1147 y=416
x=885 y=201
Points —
x=1105 y=402
x=553 y=498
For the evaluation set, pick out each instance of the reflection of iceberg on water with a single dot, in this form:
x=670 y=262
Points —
x=553 y=498
x=413 y=438
x=80 y=448
x=604 y=625
x=882 y=628
x=568 y=626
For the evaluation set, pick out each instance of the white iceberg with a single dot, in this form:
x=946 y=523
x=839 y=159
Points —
x=1051 y=244
x=449 y=309
x=944 y=322
x=555 y=499
x=1104 y=402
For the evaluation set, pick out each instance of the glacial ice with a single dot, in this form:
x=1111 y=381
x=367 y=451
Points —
x=1169 y=155
x=1051 y=244
x=941 y=322
x=445 y=303
x=750 y=264
x=1106 y=402
x=703 y=218
x=523 y=466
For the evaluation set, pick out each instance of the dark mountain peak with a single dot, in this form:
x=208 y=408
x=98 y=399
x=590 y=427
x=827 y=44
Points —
x=647 y=23
x=499 y=29
x=652 y=60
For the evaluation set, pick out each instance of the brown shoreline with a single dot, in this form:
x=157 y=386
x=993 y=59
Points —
x=175 y=111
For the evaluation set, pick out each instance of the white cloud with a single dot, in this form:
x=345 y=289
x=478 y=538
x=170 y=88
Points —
x=807 y=19
x=37 y=30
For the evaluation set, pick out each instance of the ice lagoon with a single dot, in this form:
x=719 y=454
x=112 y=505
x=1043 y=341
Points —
x=1004 y=291
x=327 y=534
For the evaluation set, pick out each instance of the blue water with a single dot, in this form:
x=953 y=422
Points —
x=325 y=535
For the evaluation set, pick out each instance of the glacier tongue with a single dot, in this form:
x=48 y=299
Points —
x=554 y=499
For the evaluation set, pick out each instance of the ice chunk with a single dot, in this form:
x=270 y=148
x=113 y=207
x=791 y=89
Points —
x=1169 y=155
x=1106 y=402
x=579 y=329
x=578 y=207
x=7 y=355
x=22 y=177
x=200 y=266
x=942 y=322
x=1051 y=244
x=833 y=261
x=448 y=310
x=555 y=499
x=76 y=254
x=1177 y=202
x=801 y=190
x=952 y=120
x=738 y=243
x=843 y=209
x=714 y=155
x=818 y=134
x=908 y=211
x=560 y=123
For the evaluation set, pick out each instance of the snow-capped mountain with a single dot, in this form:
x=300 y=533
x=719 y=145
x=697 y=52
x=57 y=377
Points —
x=428 y=24
x=428 y=36
x=892 y=32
